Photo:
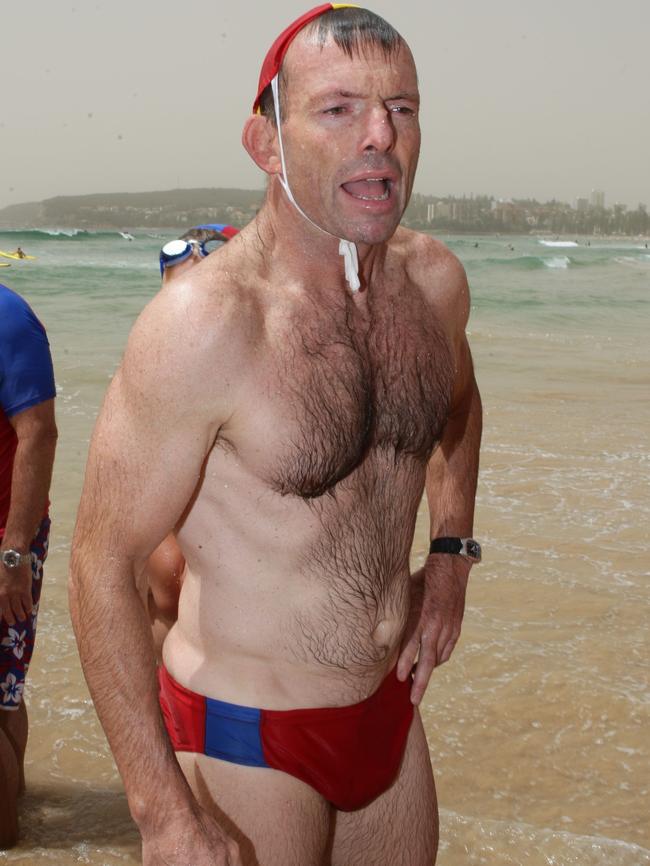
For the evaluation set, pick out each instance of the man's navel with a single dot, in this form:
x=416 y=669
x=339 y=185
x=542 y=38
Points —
x=386 y=632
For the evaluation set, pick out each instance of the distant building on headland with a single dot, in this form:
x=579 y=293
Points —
x=486 y=214
x=597 y=199
x=181 y=208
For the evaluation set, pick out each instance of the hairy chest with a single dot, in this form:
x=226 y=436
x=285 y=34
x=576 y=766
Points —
x=347 y=383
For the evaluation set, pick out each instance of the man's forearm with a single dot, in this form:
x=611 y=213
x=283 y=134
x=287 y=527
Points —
x=453 y=471
x=30 y=485
x=115 y=646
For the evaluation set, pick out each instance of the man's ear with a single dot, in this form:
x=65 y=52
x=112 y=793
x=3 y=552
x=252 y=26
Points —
x=260 y=138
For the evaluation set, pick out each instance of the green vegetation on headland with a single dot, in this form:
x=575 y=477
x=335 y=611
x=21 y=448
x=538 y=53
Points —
x=169 y=208
x=180 y=208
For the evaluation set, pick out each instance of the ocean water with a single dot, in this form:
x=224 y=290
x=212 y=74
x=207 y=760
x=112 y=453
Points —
x=538 y=726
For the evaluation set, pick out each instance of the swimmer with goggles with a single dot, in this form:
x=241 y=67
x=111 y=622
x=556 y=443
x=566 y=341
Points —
x=198 y=241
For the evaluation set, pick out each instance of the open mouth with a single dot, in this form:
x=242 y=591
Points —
x=369 y=189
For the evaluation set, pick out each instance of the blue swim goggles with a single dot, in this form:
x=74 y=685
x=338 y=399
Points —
x=177 y=251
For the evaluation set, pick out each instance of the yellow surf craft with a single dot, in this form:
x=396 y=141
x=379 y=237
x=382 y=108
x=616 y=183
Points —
x=5 y=265
x=15 y=256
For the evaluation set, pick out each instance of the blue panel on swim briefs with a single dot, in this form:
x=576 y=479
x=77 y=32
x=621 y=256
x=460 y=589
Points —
x=232 y=733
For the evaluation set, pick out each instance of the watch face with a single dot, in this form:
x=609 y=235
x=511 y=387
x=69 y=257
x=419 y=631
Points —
x=11 y=559
x=473 y=549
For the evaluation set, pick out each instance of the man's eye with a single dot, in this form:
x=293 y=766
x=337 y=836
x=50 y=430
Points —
x=335 y=109
x=402 y=109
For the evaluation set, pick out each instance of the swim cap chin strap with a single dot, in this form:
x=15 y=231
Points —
x=347 y=249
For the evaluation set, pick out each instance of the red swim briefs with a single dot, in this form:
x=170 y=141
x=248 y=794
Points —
x=349 y=754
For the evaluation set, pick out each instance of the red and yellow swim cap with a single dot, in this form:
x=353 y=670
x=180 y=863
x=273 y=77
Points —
x=275 y=55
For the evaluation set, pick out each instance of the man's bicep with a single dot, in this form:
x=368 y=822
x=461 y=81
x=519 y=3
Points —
x=462 y=431
x=35 y=420
x=144 y=462
x=163 y=410
x=464 y=379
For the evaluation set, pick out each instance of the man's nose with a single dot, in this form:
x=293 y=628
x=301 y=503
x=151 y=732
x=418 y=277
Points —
x=379 y=132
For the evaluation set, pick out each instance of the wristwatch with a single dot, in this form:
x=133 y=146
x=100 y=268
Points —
x=13 y=559
x=467 y=547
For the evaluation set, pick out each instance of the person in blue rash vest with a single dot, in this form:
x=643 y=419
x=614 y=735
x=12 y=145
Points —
x=27 y=444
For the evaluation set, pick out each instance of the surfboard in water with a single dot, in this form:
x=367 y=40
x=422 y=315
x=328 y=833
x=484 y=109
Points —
x=15 y=256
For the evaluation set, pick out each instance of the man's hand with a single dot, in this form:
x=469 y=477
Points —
x=435 y=617
x=193 y=840
x=15 y=593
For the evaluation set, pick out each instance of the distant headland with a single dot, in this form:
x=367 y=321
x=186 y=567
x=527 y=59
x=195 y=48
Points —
x=179 y=208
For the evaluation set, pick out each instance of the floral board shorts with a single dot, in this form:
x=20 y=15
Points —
x=17 y=640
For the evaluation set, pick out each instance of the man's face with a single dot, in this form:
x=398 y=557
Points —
x=351 y=137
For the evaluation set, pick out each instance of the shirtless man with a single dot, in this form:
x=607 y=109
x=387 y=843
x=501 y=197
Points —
x=283 y=409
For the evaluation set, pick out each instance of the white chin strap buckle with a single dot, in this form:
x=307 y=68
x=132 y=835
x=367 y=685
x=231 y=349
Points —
x=348 y=250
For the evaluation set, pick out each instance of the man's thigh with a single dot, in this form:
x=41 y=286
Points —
x=399 y=828
x=277 y=820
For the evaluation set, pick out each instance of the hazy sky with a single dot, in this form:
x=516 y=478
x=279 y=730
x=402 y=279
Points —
x=519 y=97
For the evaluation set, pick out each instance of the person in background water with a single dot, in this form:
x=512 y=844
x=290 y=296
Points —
x=165 y=566
x=283 y=406
x=28 y=437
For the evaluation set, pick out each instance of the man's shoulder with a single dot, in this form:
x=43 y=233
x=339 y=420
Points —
x=431 y=265
x=26 y=373
x=200 y=328
x=18 y=322
x=205 y=302
x=11 y=304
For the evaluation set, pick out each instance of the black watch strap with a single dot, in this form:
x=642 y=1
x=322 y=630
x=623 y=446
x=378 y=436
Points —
x=467 y=547
x=446 y=545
